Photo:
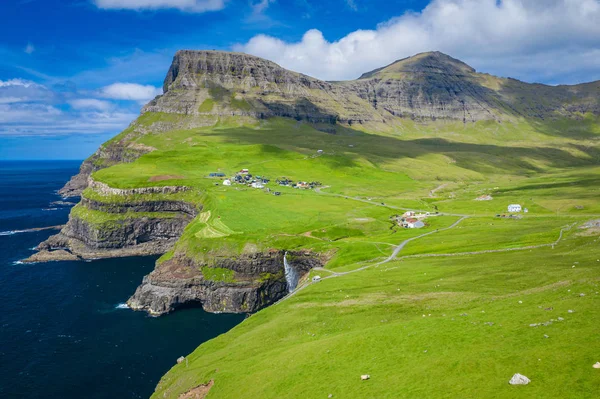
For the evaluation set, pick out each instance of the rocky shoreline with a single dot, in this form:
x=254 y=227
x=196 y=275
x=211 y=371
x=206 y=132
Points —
x=258 y=281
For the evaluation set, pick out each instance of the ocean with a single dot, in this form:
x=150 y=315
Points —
x=64 y=332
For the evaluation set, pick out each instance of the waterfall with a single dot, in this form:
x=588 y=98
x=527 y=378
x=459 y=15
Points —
x=291 y=275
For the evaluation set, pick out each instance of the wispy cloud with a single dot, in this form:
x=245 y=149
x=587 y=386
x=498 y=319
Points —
x=352 y=5
x=91 y=104
x=29 y=49
x=548 y=41
x=28 y=108
x=130 y=91
x=195 y=6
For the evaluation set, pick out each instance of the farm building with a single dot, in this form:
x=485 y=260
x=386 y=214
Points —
x=514 y=208
x=243 y=172
x=217 y=174
x=257 y=185
x=227 y=182
x=412 y=223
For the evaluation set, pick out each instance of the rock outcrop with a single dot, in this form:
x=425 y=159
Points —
x=125 y=228
x=257 y=281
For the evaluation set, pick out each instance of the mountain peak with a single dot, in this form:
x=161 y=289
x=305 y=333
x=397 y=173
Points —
x=423 y=63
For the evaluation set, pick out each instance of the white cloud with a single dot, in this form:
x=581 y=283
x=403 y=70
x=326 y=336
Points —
x=91 y=104
x=18 y=82
x=260 y=6
x=197 y=6
x=130 y=91
x=29 y=49
x=546 y=40
x=21 y=90
x=29 y=108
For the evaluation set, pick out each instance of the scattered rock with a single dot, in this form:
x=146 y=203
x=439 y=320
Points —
x=546 y=336
x=330 y=395
x=180 y=359
x=560 y=319
x=365 y=377
x=549 y=309
x=520 y=301
x=519 y=379
x=582 y=294
x=571 y=311
x=597 y=365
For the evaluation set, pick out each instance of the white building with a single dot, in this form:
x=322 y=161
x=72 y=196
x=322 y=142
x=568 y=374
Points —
x=257 y=185
x=514 y=208
x=227 y=182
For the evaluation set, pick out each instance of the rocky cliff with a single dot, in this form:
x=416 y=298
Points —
x=119 y=225
x=251 y=283
x=427 y=86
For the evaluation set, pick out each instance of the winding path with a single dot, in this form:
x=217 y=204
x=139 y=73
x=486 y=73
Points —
x=401 y=246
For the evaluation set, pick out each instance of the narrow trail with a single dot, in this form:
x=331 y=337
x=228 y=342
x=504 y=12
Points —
x=432 y=192
x=401 y=246
x=318 y=190
x=395 y=253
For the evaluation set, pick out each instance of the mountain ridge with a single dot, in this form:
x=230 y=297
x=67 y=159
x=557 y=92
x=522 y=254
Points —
x=427 y=86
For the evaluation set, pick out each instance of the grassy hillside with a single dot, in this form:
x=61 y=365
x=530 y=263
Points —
x=449 y=314
x=441 y=327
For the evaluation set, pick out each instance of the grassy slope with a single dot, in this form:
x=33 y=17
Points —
x=371 y=321
x=404 y=324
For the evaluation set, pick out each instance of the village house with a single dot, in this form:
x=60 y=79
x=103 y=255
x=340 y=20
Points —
x=216 y=174
x=243 y=172
x=408 y=214
x=227 y=182
x=412 y=223
x=257 y=185
x=514 y=208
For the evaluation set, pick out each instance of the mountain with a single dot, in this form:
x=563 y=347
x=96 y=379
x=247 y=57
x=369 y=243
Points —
x=426 y=86
x=251 y=180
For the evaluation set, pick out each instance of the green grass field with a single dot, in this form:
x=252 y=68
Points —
x=449 y=326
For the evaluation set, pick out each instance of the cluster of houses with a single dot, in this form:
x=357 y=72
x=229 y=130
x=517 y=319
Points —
x=244 y=177
x=300 y=184
x=412 y=220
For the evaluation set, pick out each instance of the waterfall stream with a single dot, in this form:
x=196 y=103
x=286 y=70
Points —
x=291 y=275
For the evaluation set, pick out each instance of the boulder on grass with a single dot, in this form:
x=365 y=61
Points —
x=519 y=379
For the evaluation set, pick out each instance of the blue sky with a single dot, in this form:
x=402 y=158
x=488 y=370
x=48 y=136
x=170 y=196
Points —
x=75 y=72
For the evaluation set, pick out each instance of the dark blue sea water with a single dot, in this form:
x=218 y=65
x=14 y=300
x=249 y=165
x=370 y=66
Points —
x=62 y=334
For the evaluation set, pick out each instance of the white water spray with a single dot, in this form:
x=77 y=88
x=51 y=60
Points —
x=291 y=275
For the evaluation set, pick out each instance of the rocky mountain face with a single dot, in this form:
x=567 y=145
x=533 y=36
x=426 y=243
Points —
x=427 y=86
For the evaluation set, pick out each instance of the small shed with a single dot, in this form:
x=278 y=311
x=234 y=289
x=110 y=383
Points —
x=514 y=208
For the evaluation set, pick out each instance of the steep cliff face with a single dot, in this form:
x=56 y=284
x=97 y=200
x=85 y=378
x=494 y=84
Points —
x=116 y=228
x=253 y=282
x=427 y=86
x=230 y=84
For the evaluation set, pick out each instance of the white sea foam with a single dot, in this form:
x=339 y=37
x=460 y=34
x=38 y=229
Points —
x=8 y=233
x=18 y=262
x=122 y=306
